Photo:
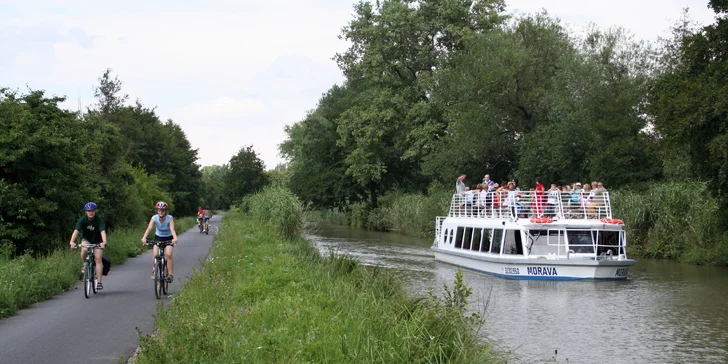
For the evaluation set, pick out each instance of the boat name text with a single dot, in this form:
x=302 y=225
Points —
x=542 y=271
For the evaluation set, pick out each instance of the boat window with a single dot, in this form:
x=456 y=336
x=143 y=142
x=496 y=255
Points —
x=485 y=240
x=459 y=237
x=544 y=242
x=581 y=241
x=608 y=241
x=495 y=247
x=477 y=235
x=452 y=234
x=467 y=238
x=512 y=244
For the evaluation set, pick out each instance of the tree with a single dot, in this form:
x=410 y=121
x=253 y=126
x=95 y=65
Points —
x=43 y=177
x=688 y=101
x=317 y=163
x=214 y=191
x=246 y=175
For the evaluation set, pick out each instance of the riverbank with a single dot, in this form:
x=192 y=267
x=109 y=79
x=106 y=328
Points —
x=675 y=221
x=263 y=297
x=26 y=280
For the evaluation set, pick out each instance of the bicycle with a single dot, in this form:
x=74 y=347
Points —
x=89 y=270
x=161 y=284
x=207 y=226
x=199 y=224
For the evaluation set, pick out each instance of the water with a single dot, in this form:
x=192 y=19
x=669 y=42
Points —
x=665 y=313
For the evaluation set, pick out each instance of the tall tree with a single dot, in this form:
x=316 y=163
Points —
x=688 y=100
x=43 y=178
x=246 y=175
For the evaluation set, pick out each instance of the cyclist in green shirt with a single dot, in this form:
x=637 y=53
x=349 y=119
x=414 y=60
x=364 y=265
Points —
x=93 y=231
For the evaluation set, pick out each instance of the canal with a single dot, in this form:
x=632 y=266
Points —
x=665 y=313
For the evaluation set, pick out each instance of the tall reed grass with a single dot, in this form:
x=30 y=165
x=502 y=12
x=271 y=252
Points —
x=680 y=221
x=278 y=208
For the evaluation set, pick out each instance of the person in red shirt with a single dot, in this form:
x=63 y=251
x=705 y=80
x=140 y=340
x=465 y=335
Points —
x=200 y=216
x=539 y=197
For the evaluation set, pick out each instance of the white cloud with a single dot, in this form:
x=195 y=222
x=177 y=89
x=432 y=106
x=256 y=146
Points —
x=230 y=72
x=220 y=110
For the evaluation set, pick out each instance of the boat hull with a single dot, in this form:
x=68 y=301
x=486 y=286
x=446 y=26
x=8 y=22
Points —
x=537 y=269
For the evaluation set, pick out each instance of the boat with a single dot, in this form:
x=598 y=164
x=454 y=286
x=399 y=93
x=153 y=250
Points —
x=518 y=235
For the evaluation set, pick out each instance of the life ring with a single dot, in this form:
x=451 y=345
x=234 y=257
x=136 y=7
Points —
x=541 y=220
x=612 y=221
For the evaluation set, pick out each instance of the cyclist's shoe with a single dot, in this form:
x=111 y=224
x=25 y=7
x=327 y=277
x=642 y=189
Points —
x=170 y=278
x=99 y=286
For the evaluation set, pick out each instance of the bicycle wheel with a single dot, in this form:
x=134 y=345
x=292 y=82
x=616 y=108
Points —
x=92 y=269
x=158 y=281
x=165 y=284
x=200 y=226
x=86 y=280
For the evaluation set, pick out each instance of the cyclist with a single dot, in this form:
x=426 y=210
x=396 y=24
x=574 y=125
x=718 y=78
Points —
x=200 y=217
x=93 y=231
x=164 y=232
x=207 y=216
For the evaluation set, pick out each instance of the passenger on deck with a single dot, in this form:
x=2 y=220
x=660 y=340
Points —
x=460 y=184
x=597 y=199
x=553 y=200
x=539 y=198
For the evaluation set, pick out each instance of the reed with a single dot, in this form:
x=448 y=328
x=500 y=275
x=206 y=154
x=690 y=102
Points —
x=278 y=208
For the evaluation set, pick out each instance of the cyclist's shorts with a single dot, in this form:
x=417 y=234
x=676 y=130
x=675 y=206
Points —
x=86 y=242
x=162 y=238
x=207 y=218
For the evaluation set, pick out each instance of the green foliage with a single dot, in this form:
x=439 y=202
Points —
x=52 y=161
x=304 y=308
x=246 y=174
x=43 y=178
x=278 y=208
x=688 y=101
x=679 y=220
x=214 y=189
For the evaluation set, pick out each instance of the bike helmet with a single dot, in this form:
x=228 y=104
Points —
x=161 y=205
x=89 y=206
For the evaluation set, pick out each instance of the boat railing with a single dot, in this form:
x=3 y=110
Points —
x=530 y=204
x=438 y=226
x=596 y=250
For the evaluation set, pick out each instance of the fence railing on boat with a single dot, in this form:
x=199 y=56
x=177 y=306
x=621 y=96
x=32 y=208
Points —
x=530 y=204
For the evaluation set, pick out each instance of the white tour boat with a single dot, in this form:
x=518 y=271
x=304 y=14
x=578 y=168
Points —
x=513 y=236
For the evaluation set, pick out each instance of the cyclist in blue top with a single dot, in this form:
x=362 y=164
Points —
x=164 y=232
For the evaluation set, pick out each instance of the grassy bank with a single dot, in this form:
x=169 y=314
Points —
x=26 y=280
x=678 y=221
x=266 y=298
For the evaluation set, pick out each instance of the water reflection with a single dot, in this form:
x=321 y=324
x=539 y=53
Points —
x=666 y=313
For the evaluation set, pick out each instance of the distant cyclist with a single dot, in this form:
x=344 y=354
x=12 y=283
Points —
x=93 y=231
x=200 y=217
x=164 y=232
x=208 y=215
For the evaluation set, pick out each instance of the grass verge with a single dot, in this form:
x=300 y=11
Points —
x=26 y=280
x=263 y=298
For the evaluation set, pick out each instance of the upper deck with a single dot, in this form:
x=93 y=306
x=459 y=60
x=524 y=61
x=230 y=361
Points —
x=556 y=205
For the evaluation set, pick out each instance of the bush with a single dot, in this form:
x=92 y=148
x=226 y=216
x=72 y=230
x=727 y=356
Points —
x=278 y=208
x=673 y=220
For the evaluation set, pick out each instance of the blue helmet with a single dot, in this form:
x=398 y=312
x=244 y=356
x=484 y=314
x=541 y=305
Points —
x=89 y=206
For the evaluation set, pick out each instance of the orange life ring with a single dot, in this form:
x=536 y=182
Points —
x=612 y=221
x=541 y=220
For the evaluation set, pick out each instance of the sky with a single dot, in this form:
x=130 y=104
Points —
x=232 y=73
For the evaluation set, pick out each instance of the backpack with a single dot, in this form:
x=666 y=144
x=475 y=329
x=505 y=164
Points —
x=107 y=265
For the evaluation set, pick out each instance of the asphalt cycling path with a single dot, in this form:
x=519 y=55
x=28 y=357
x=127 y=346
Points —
x=69 y=328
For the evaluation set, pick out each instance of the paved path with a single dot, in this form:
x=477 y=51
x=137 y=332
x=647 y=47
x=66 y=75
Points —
x=69 y=328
